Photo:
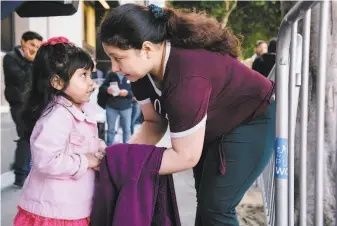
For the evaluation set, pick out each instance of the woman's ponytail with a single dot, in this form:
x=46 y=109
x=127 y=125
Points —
x=198 y=31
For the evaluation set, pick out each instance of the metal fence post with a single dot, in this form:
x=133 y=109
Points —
x=281 y=140
x=291 y=122
x=304 y=117
x=321 y=79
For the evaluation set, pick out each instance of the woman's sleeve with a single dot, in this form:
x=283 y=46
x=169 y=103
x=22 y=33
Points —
x=187 y=104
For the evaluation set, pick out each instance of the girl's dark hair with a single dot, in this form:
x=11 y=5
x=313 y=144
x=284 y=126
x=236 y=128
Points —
x=61 y=59
x=129 y=25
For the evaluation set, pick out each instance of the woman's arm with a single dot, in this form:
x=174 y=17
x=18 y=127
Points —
x=187 y=107
x=184 y=154
x=152 y=129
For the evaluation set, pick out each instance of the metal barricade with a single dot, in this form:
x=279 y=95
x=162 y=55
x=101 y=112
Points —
x=267 y=185
x=291 y=74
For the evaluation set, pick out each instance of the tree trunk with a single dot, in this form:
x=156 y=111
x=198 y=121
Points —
x=330 y=121
x=230 y=6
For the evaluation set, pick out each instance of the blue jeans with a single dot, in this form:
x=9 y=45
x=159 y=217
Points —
x=135 y=115
x=125 y=122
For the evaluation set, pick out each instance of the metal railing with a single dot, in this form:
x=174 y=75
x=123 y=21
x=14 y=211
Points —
x=291 y=74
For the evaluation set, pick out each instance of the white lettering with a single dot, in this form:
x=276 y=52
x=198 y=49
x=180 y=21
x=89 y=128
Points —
x=282 y=171
x=281 y=150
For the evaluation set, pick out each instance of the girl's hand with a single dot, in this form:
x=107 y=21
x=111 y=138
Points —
x=99 y=155
x=93 y=160
x=102 y=146
x=101 y=152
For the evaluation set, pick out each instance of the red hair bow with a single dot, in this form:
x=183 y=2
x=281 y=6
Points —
x=55 y=40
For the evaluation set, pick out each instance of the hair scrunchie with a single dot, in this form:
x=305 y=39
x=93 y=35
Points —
x=55 y=40
x=158 y=12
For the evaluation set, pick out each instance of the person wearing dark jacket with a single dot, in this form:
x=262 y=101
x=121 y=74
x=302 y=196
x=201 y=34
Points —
x=17 y=66
x=118 y=104
x=264 y=63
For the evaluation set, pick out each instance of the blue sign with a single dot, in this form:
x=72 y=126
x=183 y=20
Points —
x=281 y=158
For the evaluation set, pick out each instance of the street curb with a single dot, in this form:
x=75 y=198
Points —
x=7 y=179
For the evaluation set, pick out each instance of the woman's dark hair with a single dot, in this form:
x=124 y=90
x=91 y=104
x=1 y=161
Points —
x=62 y=60
x=129 y=25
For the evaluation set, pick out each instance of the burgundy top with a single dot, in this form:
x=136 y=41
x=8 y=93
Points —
x=205 y=87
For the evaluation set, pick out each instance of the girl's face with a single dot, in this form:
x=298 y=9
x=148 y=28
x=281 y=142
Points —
x=132 y=63
x=80 y=86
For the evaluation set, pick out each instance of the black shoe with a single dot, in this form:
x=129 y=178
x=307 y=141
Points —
x=18 y=184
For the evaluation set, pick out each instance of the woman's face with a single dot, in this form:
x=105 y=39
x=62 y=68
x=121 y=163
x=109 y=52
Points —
x=132 y=63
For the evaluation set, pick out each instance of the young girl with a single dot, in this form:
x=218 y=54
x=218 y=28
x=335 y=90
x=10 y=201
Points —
x=63 y=138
